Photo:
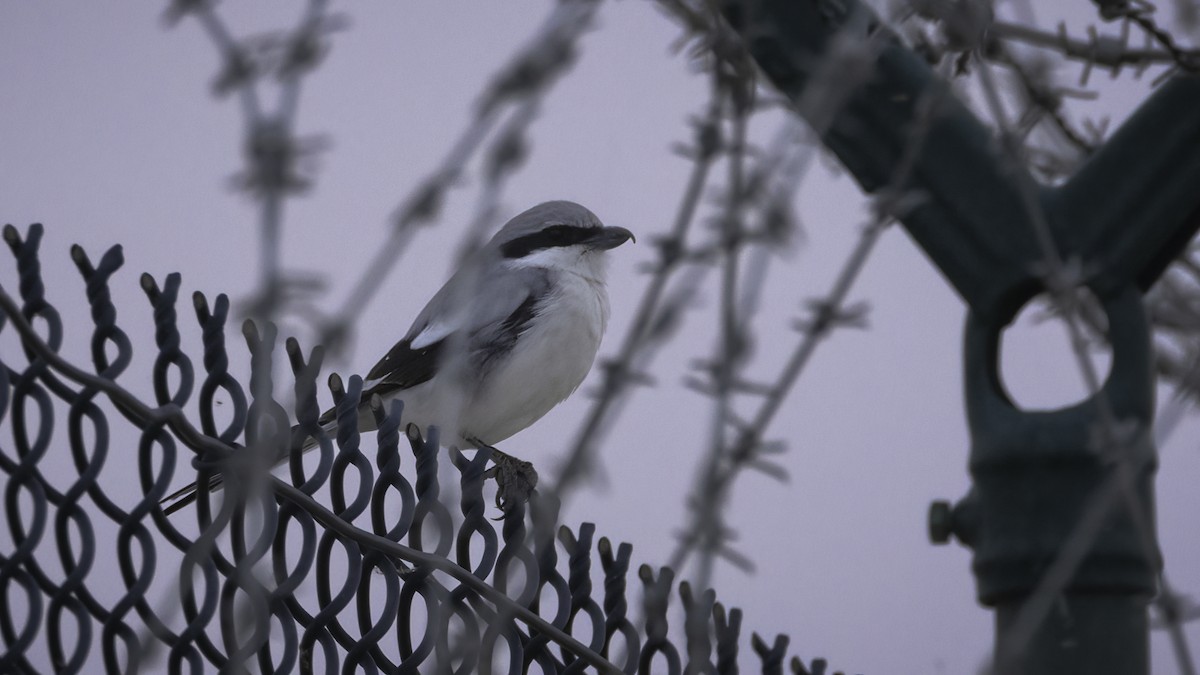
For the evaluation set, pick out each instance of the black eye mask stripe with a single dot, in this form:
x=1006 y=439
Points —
x=550 y=237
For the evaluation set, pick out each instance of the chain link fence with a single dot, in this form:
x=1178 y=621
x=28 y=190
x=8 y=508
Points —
x=268 y=576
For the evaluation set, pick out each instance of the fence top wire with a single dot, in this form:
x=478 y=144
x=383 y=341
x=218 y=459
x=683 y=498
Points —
x=347 y=564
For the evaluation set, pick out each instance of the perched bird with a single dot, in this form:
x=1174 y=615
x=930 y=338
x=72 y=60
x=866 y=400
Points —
x=507 y=338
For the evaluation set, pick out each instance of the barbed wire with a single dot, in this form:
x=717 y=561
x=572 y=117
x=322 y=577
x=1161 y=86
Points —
x=707 y=529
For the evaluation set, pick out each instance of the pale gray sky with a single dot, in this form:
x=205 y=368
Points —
x=108 y=135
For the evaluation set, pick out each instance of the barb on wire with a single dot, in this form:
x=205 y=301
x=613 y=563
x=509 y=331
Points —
x=1141 y=14
x=1106 y=51
x=733 y=322
x=515 y=92
x=706 y=530
x=505 y=156
x=278 y=163
x=1175 y=314
x=655 y=319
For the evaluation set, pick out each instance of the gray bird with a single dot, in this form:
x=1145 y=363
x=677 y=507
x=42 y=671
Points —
x=509 y=336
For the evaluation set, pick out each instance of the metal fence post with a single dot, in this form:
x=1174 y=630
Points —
x=1061 y=514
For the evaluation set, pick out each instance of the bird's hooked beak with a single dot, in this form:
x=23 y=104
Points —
x=610 y=237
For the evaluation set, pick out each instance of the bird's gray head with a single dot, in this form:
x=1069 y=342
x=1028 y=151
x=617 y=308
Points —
x=557 y=234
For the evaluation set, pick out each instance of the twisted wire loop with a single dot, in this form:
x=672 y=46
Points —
x=348 y=565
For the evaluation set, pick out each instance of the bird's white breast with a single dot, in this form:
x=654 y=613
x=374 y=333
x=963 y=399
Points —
x=549 y=361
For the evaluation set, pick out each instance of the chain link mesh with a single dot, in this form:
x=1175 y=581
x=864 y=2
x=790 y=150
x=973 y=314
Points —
x=348 y=565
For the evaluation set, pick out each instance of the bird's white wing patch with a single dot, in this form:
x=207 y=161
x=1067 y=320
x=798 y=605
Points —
x=434 y=332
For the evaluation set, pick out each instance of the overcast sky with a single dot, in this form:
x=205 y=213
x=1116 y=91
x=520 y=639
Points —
x=109 y=135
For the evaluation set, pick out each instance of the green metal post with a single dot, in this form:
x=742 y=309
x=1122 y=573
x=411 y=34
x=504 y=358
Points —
x=1052 y=496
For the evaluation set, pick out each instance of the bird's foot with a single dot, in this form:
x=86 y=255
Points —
x=516 y=479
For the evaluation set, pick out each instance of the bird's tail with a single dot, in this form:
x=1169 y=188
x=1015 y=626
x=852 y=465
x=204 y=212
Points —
x=187 y=495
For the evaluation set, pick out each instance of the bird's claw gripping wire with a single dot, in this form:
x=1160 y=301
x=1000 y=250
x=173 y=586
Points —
x=516 y=479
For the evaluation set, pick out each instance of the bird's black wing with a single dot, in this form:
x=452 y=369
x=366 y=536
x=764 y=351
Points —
x=402 y=367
